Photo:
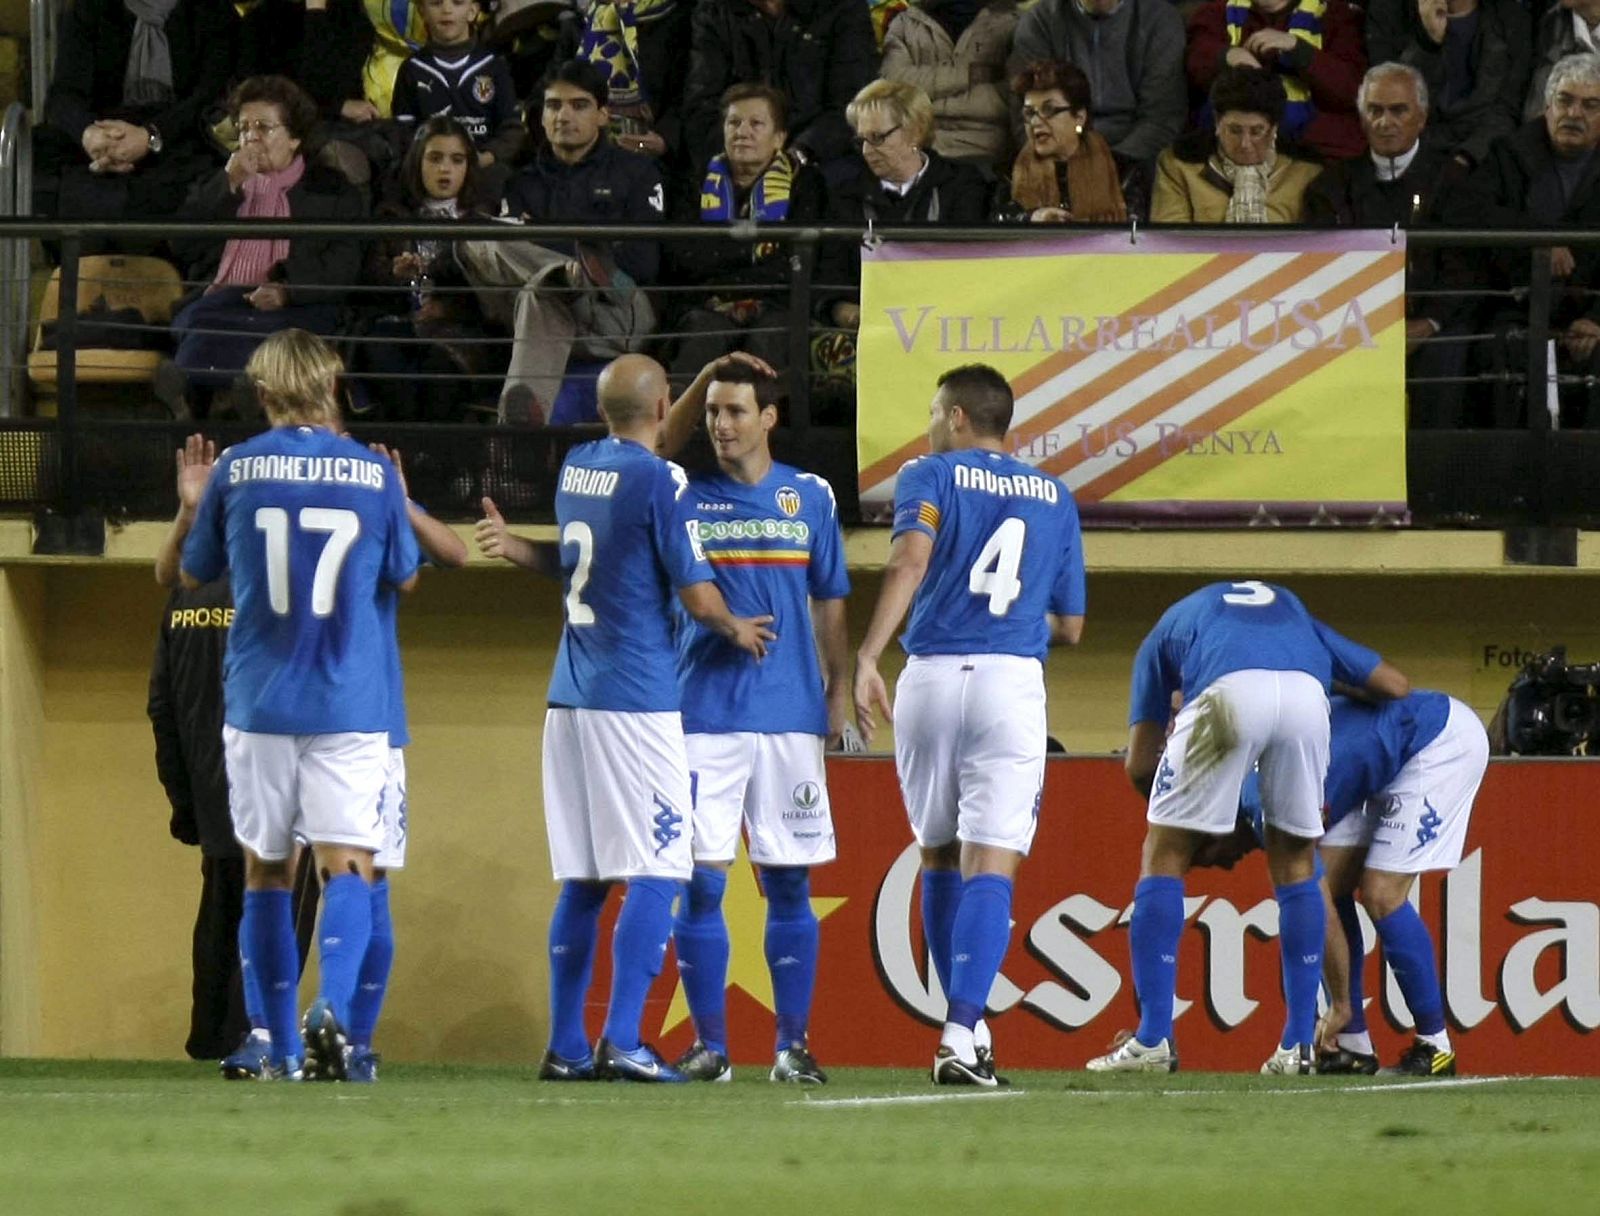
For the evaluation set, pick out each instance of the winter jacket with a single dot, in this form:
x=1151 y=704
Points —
x=1189 y=191
x=1133 y=59
x=1332 y=74
x=322 y=52
x=820 y=54
x=971 y=121
x=1501 y=60
x=1557 y=38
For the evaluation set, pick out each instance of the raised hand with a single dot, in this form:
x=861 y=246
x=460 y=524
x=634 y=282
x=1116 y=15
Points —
x=492 y=536
x=392 y=455
x=195 y=460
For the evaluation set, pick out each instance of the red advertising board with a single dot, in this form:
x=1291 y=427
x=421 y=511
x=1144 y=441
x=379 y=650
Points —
x=1517 y=927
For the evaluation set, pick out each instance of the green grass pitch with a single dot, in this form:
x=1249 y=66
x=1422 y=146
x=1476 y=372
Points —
x=89 y=1139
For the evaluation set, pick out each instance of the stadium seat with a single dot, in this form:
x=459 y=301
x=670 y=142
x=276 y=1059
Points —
x=112 y=282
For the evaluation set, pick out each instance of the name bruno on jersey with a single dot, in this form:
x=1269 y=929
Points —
x=1046 y=489
x=339 y=470
x=591 y=483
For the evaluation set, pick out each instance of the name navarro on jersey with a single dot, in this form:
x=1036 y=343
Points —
x=591 y=483
x=1022 y=485
x=340 y=470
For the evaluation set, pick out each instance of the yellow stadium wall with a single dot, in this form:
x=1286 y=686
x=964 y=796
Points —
x=96 y=902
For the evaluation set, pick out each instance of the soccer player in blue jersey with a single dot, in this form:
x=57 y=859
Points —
x=313 y=529
x=755 y=732
x=1254 y=668
x=987 y=555
x=616 y=781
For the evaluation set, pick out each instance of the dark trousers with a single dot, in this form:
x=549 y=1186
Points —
x=217 y=1019
x=705 y=336
x=230 y=330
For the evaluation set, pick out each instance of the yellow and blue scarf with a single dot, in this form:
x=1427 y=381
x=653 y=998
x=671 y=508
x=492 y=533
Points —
x=611 y=42
x=769 y=197
x=1305 y=23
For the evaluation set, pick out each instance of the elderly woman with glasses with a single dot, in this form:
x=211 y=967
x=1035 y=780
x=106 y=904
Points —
x=1066 y=173
x=1234 y=174
x=899 y=179
x=255 y=286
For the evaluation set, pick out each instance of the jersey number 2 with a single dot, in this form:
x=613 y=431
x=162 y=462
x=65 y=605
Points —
x=994 y=574
x=579 y=533
x=342 y=528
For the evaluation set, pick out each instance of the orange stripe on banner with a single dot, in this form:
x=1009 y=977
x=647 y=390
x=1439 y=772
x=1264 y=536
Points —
x=1086 y=395
x=1202 y=276
x=1158 y=403
x=1236 y=406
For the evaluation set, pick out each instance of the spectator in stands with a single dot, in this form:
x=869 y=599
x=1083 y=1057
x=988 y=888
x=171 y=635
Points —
x=898 y=179
x=121 y=137
x=453 y=75
x=753 y=179
x=562 y=297
x=955 y=52
x=1313 y=46
x=257 y=285
x=1066 y=173
x=1569 y=27
x=641 y=46
x=818 y=53
x=1132 y=53
x=1401 y=182
x=1544 y=175
x=1234 y=174
x=1475 y=56
x=441 y=179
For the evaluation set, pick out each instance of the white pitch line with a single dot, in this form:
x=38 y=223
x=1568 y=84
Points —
x=911 y=1099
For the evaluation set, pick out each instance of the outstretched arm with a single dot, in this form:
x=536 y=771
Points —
x=704 y=602
x=441 y=545
x=907 y=567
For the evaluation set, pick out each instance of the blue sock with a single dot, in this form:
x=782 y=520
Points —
x=255 y=1008
x=268 y=927
x=978 y=945
x=1153 y=935
x=343 y=936
x=941 y=897
x=574 y=925
x=1302 y=924
x=637 y=948
x=1408 y=946
x=1351 y=924
x=792 y=944
x=373 y=980
x=701 y=936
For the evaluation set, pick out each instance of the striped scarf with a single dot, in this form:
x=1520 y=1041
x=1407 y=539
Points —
x=769 y=197
x=611 y=42
x=246 y=261
x=1305 y=23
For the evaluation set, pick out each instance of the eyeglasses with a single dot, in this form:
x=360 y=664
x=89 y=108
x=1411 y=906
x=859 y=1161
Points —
x=876 y=139
x=262 y=129
x=1047 y=112
x=1566 y=101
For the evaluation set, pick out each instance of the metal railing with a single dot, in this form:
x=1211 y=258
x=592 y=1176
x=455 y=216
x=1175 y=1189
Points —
x=44 y=20
x=16 y=196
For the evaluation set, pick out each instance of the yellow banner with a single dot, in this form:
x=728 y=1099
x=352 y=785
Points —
x=1203 y=377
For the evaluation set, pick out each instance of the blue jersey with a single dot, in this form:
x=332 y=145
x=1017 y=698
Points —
x=628 y=540
x=311 y=526
x=1006 y=550
x=775 y=546
x=1241 y=626
x=1370 y=744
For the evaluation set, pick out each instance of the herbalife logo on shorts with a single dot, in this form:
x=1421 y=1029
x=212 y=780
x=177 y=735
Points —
x=807 y=799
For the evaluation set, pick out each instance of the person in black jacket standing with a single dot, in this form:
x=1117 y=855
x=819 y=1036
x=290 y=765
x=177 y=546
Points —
x=185 y=710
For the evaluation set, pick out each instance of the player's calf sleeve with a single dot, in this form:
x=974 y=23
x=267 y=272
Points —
x=637 y=948
x=792 y=941
x=1345 y=906
x=701 y=936
x=372 y=981
x=978 y=945
x=1408 y=946
x=1153 y=935
x=267 y=928
x=346 y=928
x=574 y=926
x=941 y=897
x=1302 y=924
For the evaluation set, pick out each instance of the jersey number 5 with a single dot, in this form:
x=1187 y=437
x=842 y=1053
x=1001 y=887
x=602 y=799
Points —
x=342 y=528
x=994 y=574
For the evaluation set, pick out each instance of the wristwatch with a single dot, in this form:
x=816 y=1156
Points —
x=155 y=136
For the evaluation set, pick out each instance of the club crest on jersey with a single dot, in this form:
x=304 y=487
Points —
x=788 y=500
x=483 y=89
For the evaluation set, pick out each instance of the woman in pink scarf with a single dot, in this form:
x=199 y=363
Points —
x=249 y=287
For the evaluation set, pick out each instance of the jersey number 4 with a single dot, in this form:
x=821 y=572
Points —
x=994 y=574
x=341 y=526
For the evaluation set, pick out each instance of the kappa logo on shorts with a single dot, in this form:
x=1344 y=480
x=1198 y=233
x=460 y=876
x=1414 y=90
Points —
x=1428 y=828
x=788 y=500
x=667 y=822
x=1164 y=776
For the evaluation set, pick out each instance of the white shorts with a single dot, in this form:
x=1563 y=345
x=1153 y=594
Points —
x=1276 y=721
x=392 y=807
x=324 y=788
x=969 y=738
x=616 y=795
x=1419 y=822
x=774 y=785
